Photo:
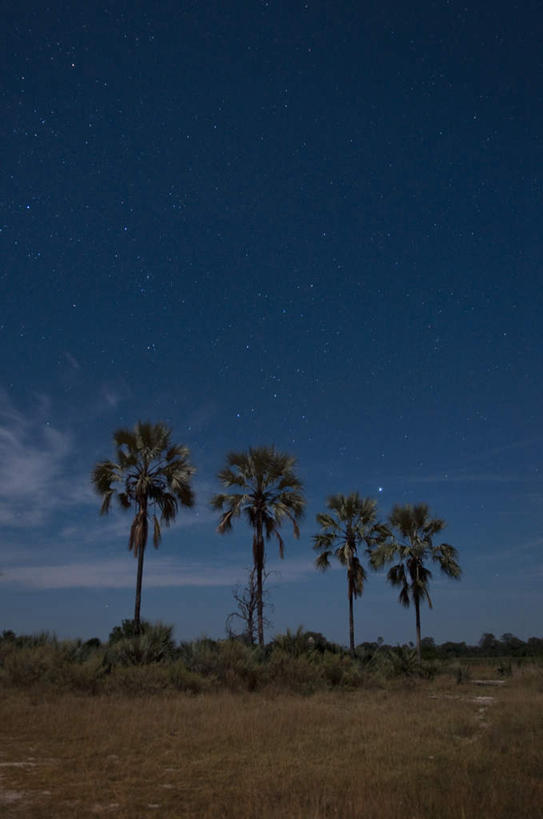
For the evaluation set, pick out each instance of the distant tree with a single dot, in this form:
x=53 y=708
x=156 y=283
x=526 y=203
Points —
x=489 y=645
x=428 y=648
x=428 y=642
x=351 y=522
x=534 y=645
x=416 y=529
x=268 y=493
x=150 y=475
x=512 y=645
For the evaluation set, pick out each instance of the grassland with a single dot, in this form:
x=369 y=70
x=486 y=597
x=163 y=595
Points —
x=410 y=748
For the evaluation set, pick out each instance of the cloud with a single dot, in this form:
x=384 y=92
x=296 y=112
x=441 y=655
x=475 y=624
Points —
x=34 y=475
x=72 y=360
x=116 y=525
x=113 y=393
x=468 y=477
x=120 y=573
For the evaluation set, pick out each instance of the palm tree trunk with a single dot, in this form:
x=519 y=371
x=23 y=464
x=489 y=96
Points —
x=417 y=615
x=137 y=607
x=351 y=621
x=141 y=543
x=259 y=592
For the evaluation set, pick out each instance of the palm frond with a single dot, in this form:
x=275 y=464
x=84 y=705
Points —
x=225 y=523
x=106 y=503
x=358 y=576
x=218 y=501
x=230 y=478
x=124 y=499
x=403 y=597
x=397 y=575
x=323 y=541
x=138 y=534
x=322 y=562
x=327 y=521
x=281 y=543
x=104 y=475
x=157 y=535
x=167 y=503
x=447 y=558
x=383 y=553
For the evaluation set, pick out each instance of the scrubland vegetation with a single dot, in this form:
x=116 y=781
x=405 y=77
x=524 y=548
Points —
x=143 y=726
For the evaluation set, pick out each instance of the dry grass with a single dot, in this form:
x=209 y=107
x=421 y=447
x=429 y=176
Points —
x=423 y=750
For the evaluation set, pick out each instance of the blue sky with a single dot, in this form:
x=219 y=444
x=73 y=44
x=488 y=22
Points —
x=272 y=223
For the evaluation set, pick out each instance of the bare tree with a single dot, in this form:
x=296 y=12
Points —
x=246 y=599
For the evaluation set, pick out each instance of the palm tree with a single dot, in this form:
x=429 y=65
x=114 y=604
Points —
x=416 y=529
x=153 y=476
x=351 y=522
x=269 y=492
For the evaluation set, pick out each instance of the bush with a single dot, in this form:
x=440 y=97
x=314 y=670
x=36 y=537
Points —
x=153 y=645
x=127 y=629
x=298 y=674
x=294 y=644
x=137 y=680
x=230 y=662
x=184 y=680
x=341 y=671
x=200 y=656
x=85 y=677
x=28 y=666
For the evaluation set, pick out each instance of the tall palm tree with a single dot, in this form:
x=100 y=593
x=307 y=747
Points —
x=269 y=492
x=350 y=523
x=416 y=529
x=150 y=475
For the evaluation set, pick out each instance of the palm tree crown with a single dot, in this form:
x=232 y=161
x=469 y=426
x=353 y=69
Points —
x=151 y=475
x=416 y=529
x=350 y=523
x=269 y=492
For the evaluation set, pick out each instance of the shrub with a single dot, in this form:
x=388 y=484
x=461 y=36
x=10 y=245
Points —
x=184 y=680
x=28 y=666
x=200 y=656
x=127 y=629
x=295 y=644
x=298 y=674
x=154 y=645
x=341 y=671
x=230 y=662
x=85 y=677
x=137 y=680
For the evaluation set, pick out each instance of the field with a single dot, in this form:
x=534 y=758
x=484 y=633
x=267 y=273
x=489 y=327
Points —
x=412 y=748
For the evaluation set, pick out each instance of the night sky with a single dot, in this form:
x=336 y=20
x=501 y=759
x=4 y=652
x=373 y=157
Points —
x=311 y=224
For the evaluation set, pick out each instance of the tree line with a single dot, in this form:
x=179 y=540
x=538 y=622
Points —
x=152 y=476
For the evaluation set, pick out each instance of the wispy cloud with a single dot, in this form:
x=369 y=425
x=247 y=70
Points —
x=72 y=360
x=34 y=479
x=121 y=573
x=524 y=443
x=469 y=477
x=116 y=525
x=111 y=394
x=522 y=553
